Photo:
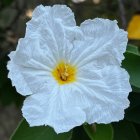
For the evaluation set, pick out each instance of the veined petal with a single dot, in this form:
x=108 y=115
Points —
x=30 y=51
x=107 y=97
x=48 y=109
x=106 y=37
x=18 y=79
x=61 y=12
x=46 y=14
x=91 y=55
x=30 y=66
x=65 y=14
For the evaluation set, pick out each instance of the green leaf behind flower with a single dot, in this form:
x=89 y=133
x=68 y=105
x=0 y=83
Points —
x=24 y=132
x=132 y=65
x=125 y=130
x=133 y=112
x=133 y=49
x=99 y=131
x=79 y=134
x=135 y=89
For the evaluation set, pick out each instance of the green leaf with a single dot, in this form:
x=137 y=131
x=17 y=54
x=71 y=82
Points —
x=135 y=89
x=134 y=99
x=124 y=131
x=132 y=113
x=101 y=132
x=24 y=132
x=132 y=65
x=79 y=134
x=133 y=49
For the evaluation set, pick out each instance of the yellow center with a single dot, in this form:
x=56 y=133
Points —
x=64 y=73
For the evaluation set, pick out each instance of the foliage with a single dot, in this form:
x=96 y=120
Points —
x=99 y=131
x=125 y=130
x=24 y=132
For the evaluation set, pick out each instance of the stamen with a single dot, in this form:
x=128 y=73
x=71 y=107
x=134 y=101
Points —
x=64 y=73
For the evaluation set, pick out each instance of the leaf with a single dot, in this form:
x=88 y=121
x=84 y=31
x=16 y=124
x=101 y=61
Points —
x=132 y=113
x=134 y=27
x=134 y=99
x=132 y=64
x=102 y=132
x=133 y=49
x=124 y=130
x=79 y=134
x=135 y=89
x=24 y=132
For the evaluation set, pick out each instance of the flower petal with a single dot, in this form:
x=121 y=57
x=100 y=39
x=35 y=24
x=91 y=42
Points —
x=106 y=40
x=47 y=109
x=18 y=79
x=109 y=92
x=60 y=12
x=65 y=14
x=46 y=14
x=45 y=18
x=30 y=66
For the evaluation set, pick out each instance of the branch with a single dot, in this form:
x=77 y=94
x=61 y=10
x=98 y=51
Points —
x=122 y=13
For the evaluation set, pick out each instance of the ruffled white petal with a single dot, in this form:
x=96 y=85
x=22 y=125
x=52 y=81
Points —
x=91 y=55
x=48 y=109
x=107 y=40
x=44 y=15
x=59 y=12
x=44 y=19
x=18 y=79
x=65 y=14
x=30 y=66
x=109 y=92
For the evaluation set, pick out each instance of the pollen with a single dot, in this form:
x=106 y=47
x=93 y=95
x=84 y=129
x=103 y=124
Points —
x=64 y=73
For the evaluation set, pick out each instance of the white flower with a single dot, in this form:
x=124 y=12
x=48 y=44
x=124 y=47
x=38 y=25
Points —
x=71 y=74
